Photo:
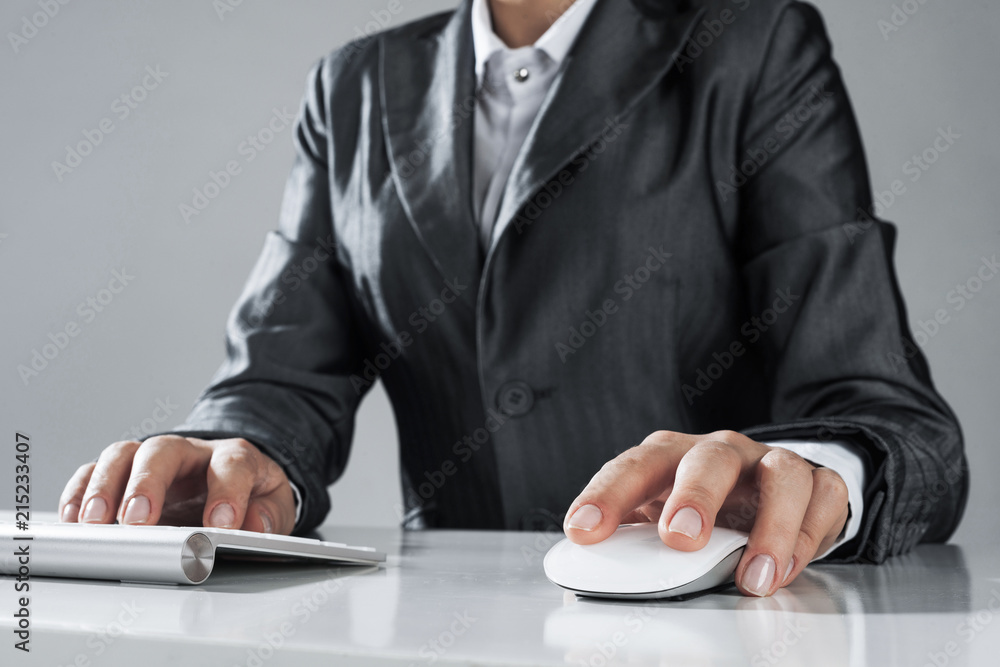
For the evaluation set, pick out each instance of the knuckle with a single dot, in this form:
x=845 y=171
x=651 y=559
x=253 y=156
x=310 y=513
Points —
x=781 y=470
x=83 y=473
x=734 y=439
x=719 y=452
x=159 y=443
x=118 y=450
x=270 y=474
x=619 y=476
x=141 y=477
x=627 y=463
x=830 y=485
x=696 y=495
x=237 y=454
x=245 y=446
x=658 y=438
x=727 y=436
x=783 y=460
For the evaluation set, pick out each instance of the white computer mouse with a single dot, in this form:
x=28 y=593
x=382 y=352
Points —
x=635 y=564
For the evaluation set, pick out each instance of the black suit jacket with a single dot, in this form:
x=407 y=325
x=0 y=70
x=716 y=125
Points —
x=690 y=247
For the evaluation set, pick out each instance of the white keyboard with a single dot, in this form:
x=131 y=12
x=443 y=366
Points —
x=156 y=554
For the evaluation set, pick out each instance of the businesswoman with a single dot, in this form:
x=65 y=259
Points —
x=613 y=261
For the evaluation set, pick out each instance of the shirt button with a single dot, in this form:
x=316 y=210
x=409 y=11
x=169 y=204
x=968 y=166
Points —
x=515 y=398
x=521 y=75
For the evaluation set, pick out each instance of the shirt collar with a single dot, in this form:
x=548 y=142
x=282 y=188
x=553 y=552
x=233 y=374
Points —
x=556 y=41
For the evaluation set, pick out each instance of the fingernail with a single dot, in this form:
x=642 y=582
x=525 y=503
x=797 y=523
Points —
x=791 y=566
x=222 y=516
x=137 y=510
x=95 y=510
x=759 y=575
x=587 y=518
x=686 y=521
x=266 y=520
x=70 y=513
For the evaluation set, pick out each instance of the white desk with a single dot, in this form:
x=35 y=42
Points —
x=455 y=597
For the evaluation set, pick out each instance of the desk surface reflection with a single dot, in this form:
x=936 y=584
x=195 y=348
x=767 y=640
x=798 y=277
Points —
x=459 y=597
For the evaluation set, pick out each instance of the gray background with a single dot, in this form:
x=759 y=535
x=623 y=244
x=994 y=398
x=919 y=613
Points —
x=161 y=337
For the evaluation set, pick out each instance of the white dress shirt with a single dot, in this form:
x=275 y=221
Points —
x=511 y=85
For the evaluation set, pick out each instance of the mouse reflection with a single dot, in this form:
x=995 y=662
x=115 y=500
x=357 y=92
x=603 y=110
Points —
x=830 y=615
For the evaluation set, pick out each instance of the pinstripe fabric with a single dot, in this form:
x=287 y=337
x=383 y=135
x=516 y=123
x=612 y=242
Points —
x=689 y=248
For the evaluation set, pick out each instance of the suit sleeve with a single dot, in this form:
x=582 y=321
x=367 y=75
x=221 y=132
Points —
x=291 y=342
x=840 y=361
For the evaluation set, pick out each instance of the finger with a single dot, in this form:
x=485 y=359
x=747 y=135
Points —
x=71 y=499
x=158 y=462
x=273 y=512
x=823 y=521
x=237 y=471
x=785 y=483
x=705 y=477
x=630 y=480
x=107 y=481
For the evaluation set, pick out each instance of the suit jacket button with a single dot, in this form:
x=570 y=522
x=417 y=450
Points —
x=515 y=398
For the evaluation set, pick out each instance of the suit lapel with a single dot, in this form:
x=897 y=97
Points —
x=427 y=95
x=619 y=56
x=427 y=91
